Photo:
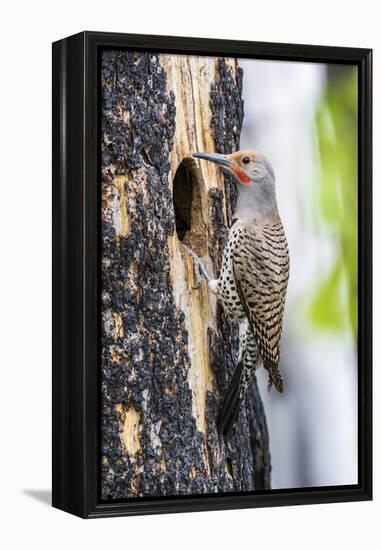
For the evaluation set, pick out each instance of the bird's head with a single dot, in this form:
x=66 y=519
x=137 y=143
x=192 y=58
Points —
x=255 y=180
x=247 y=167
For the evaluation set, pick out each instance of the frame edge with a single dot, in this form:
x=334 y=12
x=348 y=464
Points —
x=74 y=285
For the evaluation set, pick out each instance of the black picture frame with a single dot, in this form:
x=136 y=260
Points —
x=75 y=273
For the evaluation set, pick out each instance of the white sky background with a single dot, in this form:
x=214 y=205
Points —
x=313 y=426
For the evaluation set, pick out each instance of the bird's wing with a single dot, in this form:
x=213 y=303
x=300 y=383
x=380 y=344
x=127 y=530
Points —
x=261 y=269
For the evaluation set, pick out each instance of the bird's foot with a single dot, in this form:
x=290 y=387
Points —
x=199 y=268
x=198 y=273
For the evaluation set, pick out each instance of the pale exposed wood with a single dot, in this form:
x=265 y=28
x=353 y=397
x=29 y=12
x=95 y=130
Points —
x=194 y=133
x=130 y=433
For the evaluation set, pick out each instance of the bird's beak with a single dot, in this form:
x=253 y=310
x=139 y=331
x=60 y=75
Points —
x=223 y=160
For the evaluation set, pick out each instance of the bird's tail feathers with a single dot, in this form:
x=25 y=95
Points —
x=275 y=378
x=231 y=404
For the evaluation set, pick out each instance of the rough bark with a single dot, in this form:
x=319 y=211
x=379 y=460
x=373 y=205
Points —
x=168 y=351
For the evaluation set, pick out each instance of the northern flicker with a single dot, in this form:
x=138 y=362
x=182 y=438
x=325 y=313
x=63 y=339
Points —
x=254 y=275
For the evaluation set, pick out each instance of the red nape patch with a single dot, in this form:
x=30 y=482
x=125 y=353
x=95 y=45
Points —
x=242 y=176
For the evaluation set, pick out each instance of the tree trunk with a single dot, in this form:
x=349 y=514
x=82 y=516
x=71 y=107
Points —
x=168 y=350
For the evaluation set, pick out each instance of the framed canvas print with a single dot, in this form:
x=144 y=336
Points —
x=211 y=274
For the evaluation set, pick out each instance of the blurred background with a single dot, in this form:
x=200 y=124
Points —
x=303 y=117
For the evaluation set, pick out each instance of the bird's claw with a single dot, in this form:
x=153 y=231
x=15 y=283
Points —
x=198 y=268
x=191 y=253
x=198 y=274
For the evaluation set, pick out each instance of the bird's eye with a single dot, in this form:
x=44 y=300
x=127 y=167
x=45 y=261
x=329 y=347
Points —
x=246 y=160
